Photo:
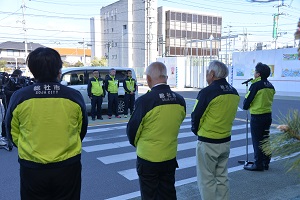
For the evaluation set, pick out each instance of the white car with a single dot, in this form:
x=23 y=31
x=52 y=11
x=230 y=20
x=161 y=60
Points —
x=77 y=78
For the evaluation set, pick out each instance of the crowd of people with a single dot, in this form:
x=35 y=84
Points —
x=50 y=151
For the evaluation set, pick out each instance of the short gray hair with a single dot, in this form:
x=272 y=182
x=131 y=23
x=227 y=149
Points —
x=220 y=69
x=157 y=70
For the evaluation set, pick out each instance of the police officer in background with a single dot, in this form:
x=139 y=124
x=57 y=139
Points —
x=12 y=85
x=96 y=92
x=259 y=100
x=112 y=86
x=129 y=85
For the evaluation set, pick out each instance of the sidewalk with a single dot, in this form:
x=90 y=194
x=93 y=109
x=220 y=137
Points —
x=274 y=184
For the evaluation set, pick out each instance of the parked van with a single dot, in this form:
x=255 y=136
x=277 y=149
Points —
x=77 y=78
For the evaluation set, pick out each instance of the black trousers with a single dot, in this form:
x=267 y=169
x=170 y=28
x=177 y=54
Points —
x=157 y=180
x=47 y=184
x=129 y=103
x=112 y=104
x=96 y=103
x=3 y=113
x=260 y=129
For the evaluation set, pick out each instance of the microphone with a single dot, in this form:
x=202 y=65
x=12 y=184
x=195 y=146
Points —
x=247 y=81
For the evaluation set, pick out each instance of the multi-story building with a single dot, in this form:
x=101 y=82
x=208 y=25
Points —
x=177 y=28
x=74 y=55
x=129 y=33
x=134 y=33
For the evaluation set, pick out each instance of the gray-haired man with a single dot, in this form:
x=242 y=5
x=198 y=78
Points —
x=212 y=119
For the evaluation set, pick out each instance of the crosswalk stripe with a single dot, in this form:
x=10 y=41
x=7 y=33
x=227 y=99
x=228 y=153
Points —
x=183 y=146
x=107 y=146
x=184 y=163
x=96 y=130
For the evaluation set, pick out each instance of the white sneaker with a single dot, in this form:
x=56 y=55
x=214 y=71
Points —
x=125 y=116
x=2 y=143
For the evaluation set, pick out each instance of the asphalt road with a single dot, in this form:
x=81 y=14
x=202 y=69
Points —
x=109 y=161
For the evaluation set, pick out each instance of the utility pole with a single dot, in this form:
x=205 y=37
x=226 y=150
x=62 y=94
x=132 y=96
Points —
x=245 y=40
x=275 y=22
x=226 y=56
x=149 y=35
x=147 y=32
x=23 y=6
x=108 y=44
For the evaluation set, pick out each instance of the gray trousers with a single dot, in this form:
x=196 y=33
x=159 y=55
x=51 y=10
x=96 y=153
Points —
x=212 y=173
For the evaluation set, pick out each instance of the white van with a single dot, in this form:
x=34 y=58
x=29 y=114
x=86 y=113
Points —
x=77 y=78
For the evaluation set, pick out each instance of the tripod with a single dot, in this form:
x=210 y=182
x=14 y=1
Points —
x=246 y=162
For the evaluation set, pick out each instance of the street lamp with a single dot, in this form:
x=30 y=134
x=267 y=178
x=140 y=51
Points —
x=83 y=50
x=83 y=45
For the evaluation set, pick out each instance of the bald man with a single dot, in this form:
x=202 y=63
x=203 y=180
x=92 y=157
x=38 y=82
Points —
x=153 y=129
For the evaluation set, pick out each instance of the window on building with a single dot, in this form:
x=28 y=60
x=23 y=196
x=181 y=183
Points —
x=178 y=16
x=172 y=15
x=200 y=36
x=183 y=34
x=195 y=18
x=112 y=29
x=112 y=14
x=124 y=27
x=10 y=52
x=219 y=21
x=205 y=19
x=178 y=34
x=194 y=35
x=199 y=18
x=188 y=34
x=172 y=33
x=16 y=53
x=215 y=20
x=209 y=20
x=183 y=17
x=189 y=18
x=172 y=50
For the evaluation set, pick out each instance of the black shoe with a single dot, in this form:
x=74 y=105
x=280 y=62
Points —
x=266 y=167
x=253 y=168
x=100 y=118
x=93 y=119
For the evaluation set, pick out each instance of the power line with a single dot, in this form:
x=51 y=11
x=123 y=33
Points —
x=10 y=14
x=217 y=8
x=72 y=3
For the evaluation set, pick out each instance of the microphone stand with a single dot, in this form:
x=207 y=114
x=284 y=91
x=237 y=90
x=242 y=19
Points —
x=246 y=162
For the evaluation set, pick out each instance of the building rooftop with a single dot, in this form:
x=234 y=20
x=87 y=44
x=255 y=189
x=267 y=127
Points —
x=73 y=51
x=19 y=46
